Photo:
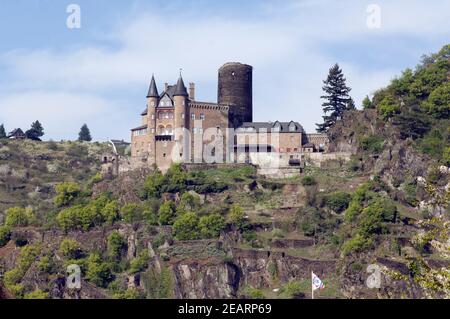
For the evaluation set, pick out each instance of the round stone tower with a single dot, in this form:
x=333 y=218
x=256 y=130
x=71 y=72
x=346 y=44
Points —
x=236 y=90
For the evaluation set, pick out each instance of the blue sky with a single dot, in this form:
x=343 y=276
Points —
x=99 y=74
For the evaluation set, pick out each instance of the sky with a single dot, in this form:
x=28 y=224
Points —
x=99 y=73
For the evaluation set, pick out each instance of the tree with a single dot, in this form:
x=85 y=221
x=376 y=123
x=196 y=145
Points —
x=166 y=213
x=237 y=216
x=131 y=213
x=367 y=103
x=98 y=272
x=37 y=127
x=85 y=134
x=66 y=192
x=116 y=244
x=337 y=98
x=185 y=227
x=211 y=225
x=2 y=132
x=35 y=132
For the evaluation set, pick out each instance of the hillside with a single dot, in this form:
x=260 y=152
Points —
x=226 y=232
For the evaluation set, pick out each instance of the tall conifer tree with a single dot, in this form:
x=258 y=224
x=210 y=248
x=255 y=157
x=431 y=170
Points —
x=337 y=99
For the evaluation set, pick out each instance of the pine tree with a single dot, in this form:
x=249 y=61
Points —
x=337 y=99
x=2 y=132
x=37 y=127
x=85 y=134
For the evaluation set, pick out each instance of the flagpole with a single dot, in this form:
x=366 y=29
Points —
x=312 y=286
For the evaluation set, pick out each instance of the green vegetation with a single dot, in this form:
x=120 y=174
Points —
x=70 y=249
x=19 y=217
x=98 y=272
x=85 y=134
x=338 y=201
x=237 y=216
x=254 y=293
x=372 y=144
x=5 y=235
x=66 y=193
x=211 y=225
x=308 y=181
x=140 y=263
x=12 y=278
x=167 y=213
x=37 y=294
x=337 y=98
x=294 y=289
x=186 y=227
x=116 y=245
x=418 y=103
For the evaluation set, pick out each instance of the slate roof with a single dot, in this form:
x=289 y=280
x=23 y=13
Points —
x=180 y=89
x=271 y=125
x=139 y=128
x=153 y=90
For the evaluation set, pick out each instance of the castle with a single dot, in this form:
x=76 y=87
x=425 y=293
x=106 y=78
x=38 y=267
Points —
x=175 y=127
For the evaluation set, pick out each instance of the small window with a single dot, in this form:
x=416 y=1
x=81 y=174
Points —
x=288 y=150
x=193 y=116
x=202 y=116
x=153 y=116
x=182 y=115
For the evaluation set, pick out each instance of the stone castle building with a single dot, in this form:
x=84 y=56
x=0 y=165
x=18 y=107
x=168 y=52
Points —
x=175 y=127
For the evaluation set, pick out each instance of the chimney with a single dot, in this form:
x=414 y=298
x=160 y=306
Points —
x=192 y=91
x=166 y=86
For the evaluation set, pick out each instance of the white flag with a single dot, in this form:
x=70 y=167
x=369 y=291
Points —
x=316 y=282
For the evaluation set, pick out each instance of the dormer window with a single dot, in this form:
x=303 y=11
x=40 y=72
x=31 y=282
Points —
x=292 y=127
x=277 y=127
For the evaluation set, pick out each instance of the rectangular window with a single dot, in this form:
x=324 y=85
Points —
x=153 y=116
x=288 y=150
x=193 y=116
x=182 y=115
x=202 y=116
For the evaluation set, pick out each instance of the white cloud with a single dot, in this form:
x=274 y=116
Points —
x=66 y=88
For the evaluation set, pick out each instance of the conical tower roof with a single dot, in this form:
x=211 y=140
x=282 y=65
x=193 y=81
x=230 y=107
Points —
x=153 y=90
x=180 y=90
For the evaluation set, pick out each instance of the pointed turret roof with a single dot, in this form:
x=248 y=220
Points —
x=181 y=88
x=153 y=90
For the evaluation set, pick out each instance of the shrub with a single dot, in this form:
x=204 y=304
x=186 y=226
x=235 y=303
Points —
x=70 y=249
x=37 y=294
x=5 y=235
x=98 y=272
x=293 y=289
x=166 y=213
x=66 y=193
x=446 y=156
x=237 y=216
x=18 y=217
x=45 y=264
x=356 y=244
x=116 y=244
x=131 y=213
x=373 y=144
x=388 y=107
x=211 y=225
x=110 y=212
x=154 y=183
x=186 y=227
x=338 y=201
x=308 y=181
x=277 y=233
x=254 y=293
x=140 y=263
x=438 y=103
x=130 y=293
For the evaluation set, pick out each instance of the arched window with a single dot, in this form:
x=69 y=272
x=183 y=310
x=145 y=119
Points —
x=161 y=130
x=169 y=130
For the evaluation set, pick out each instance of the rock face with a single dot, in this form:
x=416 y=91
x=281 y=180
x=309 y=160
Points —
x=199 y=281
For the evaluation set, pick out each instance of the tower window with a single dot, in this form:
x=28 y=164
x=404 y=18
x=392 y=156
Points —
x=202 y=116
x=193 y=116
